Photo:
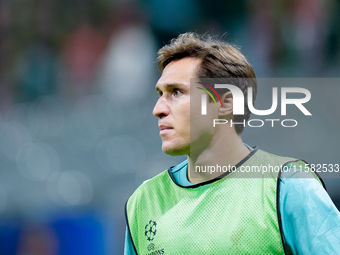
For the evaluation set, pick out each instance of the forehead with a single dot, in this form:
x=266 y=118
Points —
x=179 y=72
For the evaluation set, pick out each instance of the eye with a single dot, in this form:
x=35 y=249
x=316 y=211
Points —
x=177 y=92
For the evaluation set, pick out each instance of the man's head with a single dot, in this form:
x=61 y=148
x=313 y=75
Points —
x=173 y=105
x=217 y=60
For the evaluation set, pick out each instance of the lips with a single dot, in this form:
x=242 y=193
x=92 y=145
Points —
x=164 y=129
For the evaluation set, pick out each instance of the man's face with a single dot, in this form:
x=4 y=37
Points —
x=173 y=107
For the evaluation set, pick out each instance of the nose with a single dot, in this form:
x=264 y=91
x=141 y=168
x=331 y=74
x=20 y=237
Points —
x=161 y=108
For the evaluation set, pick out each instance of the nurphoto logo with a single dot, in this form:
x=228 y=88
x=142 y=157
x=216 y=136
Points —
x=239 y=104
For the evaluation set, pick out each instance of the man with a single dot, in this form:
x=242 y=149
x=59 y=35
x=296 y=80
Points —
x=186 y=211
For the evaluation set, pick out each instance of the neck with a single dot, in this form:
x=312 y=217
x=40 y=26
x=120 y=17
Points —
x=226 y=150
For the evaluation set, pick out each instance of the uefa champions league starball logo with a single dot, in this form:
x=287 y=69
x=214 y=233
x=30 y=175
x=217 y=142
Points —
x=150 y=230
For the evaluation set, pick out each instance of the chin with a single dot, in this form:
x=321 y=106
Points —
x=175 y=151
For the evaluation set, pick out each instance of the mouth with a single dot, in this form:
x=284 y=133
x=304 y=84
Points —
x=164 y=129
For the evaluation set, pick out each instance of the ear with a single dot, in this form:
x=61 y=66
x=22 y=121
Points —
x=227 y=104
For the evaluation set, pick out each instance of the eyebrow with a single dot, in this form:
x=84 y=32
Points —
x=171 y=86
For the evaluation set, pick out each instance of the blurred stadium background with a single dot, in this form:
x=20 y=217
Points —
x=77 y=84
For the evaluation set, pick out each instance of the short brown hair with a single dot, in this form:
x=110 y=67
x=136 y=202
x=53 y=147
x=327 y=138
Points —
x=218 y=60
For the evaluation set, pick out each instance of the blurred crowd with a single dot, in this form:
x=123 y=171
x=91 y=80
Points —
x=77 y=84
x=75 y=48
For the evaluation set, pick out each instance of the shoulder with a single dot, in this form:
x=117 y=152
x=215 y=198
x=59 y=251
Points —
x=148 y=186
x=310 y=219
x=159 y=182
x=273 y=158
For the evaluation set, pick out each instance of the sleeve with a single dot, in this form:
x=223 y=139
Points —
x=310 y=220
x=128 y=247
